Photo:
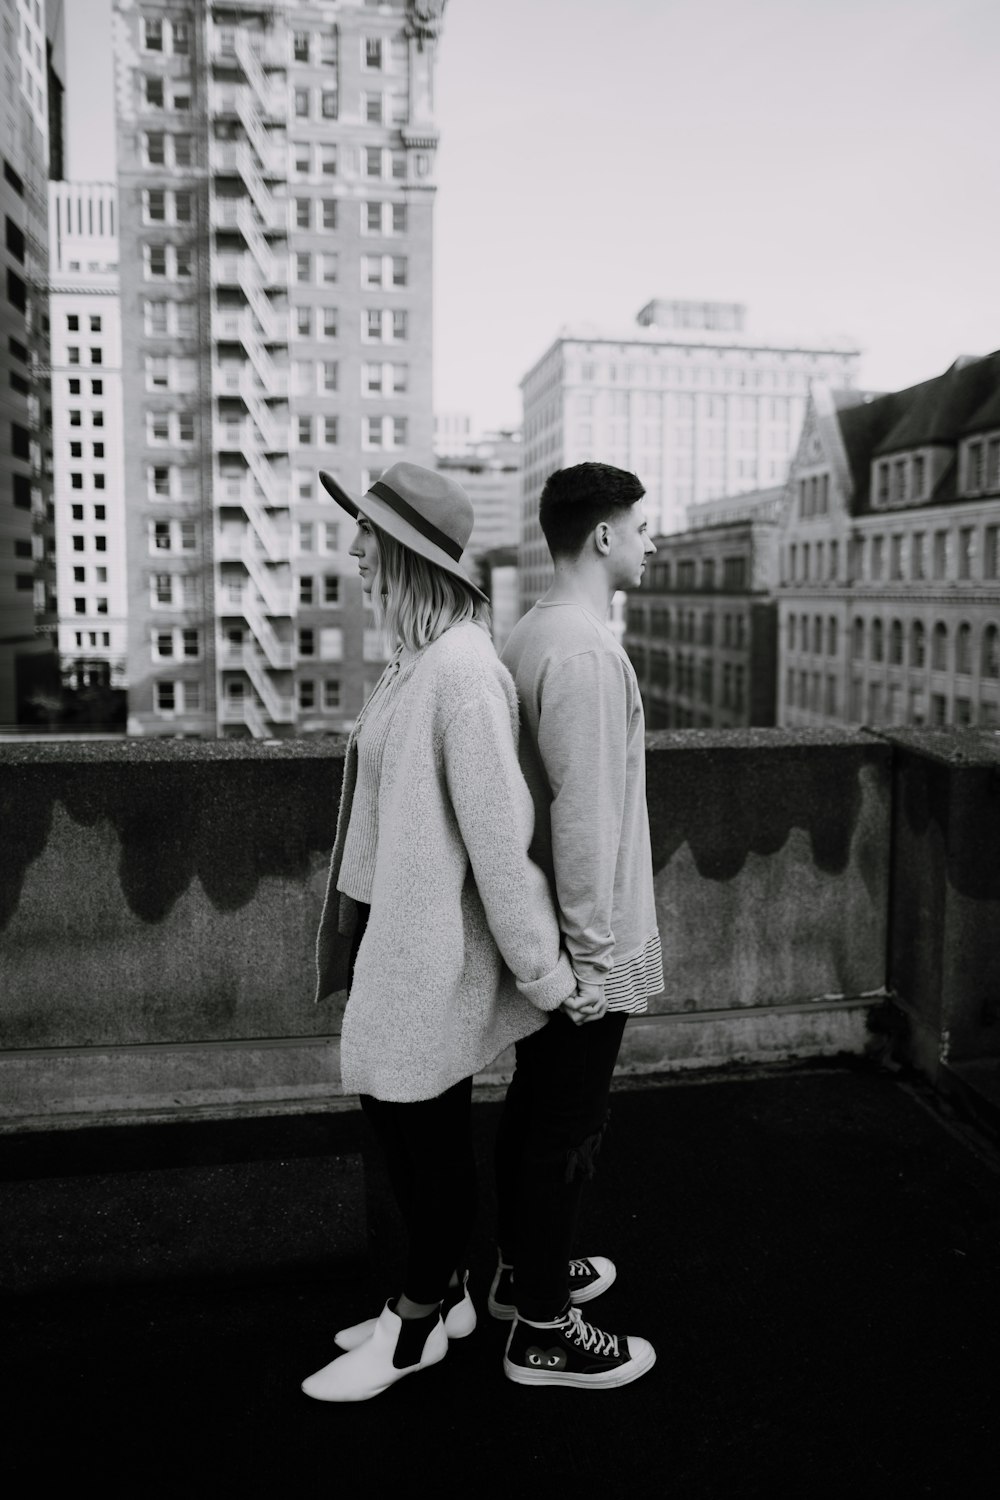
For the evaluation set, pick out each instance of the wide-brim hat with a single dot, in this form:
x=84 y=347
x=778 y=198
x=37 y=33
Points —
x=423 y=510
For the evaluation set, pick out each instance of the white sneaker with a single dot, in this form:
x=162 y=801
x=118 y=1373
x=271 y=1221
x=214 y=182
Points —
x=457 y=1312
x=368 y=1369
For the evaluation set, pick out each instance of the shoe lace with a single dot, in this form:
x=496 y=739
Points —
x=580 y=1268
x=593 y=1340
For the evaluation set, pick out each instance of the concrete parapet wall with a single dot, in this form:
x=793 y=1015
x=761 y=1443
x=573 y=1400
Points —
x=945 y=895
x=158 y=902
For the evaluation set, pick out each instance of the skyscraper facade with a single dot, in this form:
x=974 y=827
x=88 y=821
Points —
x=87 y=436
x=688 y=400
x=276 y=184
x=28 y=661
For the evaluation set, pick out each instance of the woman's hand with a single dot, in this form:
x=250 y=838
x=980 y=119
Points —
x=588 y=1004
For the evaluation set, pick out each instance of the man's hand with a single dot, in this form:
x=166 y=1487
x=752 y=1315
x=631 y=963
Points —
x=588 y=1004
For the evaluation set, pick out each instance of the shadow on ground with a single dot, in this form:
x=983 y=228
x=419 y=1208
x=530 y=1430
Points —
x=814 y=1255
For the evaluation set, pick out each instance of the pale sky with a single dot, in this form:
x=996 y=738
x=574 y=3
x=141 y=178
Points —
x=834 y=164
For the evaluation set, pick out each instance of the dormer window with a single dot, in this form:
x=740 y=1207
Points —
x=975 y=466
x=919 y=476
x=882 y=484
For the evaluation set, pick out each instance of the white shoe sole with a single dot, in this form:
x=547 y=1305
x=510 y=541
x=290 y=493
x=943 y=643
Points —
x=367 y=1370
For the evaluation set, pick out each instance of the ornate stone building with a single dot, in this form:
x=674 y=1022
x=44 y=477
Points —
x=889 y=600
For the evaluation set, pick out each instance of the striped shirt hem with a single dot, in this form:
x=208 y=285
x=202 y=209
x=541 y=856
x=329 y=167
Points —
x=629 y=985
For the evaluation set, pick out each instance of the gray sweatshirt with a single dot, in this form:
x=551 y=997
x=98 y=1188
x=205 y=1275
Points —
x=582 y=751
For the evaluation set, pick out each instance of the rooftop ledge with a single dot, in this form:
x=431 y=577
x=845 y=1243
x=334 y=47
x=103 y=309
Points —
x=819 y=893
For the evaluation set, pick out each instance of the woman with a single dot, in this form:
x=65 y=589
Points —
x=453 y=943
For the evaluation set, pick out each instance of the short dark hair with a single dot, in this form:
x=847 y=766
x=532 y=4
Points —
x=577 y=499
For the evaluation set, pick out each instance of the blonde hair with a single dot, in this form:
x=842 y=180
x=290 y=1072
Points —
x=414 y=600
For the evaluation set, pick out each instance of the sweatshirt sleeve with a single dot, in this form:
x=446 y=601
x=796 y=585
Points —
x=582 y=741
x=495 y=815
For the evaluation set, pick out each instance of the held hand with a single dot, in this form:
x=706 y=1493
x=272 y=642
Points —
x=588 y=1004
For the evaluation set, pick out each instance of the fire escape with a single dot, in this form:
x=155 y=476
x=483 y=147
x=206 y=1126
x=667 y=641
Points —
x=250 y=379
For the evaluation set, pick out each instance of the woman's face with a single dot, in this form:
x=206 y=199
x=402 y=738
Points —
x=365 y=549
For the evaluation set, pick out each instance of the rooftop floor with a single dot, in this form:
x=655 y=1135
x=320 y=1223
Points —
x=813 y=1252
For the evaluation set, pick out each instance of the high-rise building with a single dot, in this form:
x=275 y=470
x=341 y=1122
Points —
x=688 y=400
x=276 y=189
x=701 y=628
x=28 y=660
x=889 y=598
x=87 y=438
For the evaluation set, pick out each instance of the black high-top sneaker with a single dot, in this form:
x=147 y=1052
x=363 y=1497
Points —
x=569 y=1351
x=588 y=1278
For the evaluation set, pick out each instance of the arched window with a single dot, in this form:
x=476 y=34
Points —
x=878 y=652
x=896 y=644
x=939 y=647
x=858 y=639
x=918 y=644
x=963 y=648
x=831 y=636
x=791 y=634
x=817 y=634
x=991 y=652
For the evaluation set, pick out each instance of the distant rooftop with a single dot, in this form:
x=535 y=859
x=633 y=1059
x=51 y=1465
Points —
x=710 y=324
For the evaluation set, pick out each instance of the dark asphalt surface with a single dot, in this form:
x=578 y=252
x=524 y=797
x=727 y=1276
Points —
x=814 y=1254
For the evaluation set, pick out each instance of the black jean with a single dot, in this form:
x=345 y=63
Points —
x=432 y=1170
x=549 y=1135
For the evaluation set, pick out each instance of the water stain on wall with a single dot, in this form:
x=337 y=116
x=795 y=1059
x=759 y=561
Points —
x=726 y=805
x=228 y=824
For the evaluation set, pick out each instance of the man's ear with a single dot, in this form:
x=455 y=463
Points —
x=602 y=537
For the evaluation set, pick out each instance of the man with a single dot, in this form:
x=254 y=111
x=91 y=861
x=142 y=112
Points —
x=583 y=755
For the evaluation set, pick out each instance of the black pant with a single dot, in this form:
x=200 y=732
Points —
x=550 y=1132
x=432 y=1170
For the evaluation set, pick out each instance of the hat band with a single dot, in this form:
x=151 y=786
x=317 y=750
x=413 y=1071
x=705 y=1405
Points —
x=406 y=512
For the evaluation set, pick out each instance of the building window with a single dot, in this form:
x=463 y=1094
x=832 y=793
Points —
x=331 y=589
x=918 y=556
x=152 y=34
x=896 y=644
x=963 y=648
x=373 y=52
x=329 y=104
x=966 y=551
x=300 y=46
x=974 y=468
x=991 y=552
x=303 y=213
x=940 y=554
x=877 y=641
x=302 y=103
x=331 y=693
x=329 y=213
x=306 y=590
x=990 y=658
x=329 y=322
x=919 y=476
x=918 y=645
x=400 y=325
x=307 y=642
x=307 y=692
x=939 y=647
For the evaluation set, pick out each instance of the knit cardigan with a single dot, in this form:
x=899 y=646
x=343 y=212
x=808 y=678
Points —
x=461 y=955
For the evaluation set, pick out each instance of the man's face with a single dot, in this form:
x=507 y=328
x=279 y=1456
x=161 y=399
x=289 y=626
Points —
x=631 y=545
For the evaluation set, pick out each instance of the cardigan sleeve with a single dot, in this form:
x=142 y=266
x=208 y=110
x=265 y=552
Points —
x=495 y=815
